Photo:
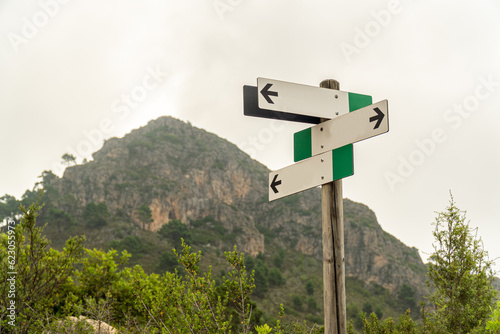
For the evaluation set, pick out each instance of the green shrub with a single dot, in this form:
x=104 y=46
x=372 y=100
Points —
x=96 y=215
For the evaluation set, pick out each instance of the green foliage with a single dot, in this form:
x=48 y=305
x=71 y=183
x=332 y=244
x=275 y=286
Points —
x=9 y=206
x=99 y=271
x=265 y=329
x=130 y=243
x=41 y=272
x=47 y=176
x=68 y=159
x=174 y=231
x=493 y=324
x=310 y=288
x=102 y=288
x=249 y=263
x=460 y=274
x=59 y=218
x=183 y=298
x=193 y=303
x=278 y=259
x=69 y=325
x=167 y=262
x=312 y=305
x=261 y=272
x=96 y=215
x=406 y=297
x=373 y=325
x=353 y=315
x=297 y=302
x=275 y=277
x=145 y=215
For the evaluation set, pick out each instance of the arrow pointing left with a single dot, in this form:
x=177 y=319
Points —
x=266 y=93
x=275 y=183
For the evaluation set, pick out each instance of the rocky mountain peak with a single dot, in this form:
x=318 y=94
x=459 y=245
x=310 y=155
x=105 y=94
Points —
x=188 y=174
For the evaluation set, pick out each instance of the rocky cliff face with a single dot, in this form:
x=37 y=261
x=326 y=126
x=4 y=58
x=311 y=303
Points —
x=185 y=173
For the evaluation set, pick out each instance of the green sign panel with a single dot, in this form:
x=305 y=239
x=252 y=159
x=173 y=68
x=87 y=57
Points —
x=302 y=140
x=343 y=162
x=311 y=172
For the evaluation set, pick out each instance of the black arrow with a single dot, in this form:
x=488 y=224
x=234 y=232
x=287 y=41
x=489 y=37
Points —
x=378 y=117
x=266 y=93
x=275 y=183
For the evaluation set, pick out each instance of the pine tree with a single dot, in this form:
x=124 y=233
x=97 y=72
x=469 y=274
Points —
x=460 y=274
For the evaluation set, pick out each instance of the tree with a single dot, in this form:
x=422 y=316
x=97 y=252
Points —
x=275 y=277
x=59 y=217
x=459 y=273
x=9 y=206
x=167 y=262
x=96 y=215
x=174 y=231
x=47 y=176
x=312 y=306
x=310 y=288
x=145 y=215
x=297 y=302
x=261 y=273
x=32 y=273
x=406 y=297
x=278 y=259
x=68 y=159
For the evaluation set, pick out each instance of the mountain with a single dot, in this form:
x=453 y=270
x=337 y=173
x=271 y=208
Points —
x=219 y=194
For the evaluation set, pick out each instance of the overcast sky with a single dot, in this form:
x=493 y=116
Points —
x=73 y=73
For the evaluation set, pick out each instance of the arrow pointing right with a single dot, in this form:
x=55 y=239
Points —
x=378 y=117
x=275 y=183
x=266 y=93
x=337 y=132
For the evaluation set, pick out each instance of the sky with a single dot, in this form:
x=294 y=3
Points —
x=75 y=73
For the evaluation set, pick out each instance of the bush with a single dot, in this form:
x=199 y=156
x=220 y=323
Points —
x=275 y=277
x=312 y=306
x=96 y=215
x=310 y=288
x=167 y=262
x=278 y=259
x=174 y=231
x=297 y=302
x=41 y=272
x=132 y=244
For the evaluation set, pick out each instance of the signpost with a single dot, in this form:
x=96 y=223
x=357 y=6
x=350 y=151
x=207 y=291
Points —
x=301 y=99
x=251 y=108
x=350 y=128
x=298 y=103
x=325 y=155
x=309 y=173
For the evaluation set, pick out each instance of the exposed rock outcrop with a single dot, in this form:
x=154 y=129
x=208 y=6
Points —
x=187 y=174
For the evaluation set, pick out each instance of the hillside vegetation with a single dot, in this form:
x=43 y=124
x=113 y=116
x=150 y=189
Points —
x=167 y=180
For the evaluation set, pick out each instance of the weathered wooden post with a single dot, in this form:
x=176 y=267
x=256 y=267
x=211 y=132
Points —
x=333 y=250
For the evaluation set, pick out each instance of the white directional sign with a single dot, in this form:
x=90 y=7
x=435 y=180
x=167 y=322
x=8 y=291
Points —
x=350 y=128
x=301 y=99
x=308 y=173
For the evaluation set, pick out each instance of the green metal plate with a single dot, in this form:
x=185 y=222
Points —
x=343 y=162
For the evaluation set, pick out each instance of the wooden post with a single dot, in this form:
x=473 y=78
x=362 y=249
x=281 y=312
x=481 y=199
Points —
x=333 y=250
